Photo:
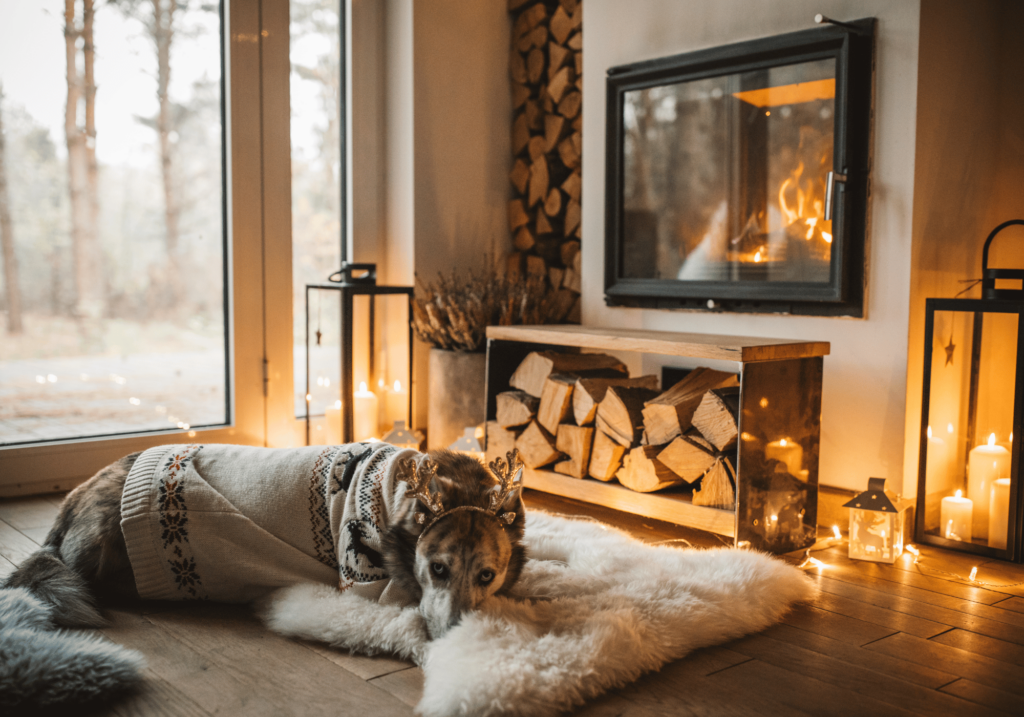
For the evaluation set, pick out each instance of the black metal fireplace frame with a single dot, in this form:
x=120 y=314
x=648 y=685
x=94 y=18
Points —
x=852 y=46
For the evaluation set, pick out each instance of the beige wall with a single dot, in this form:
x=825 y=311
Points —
x=865 y=377
x=969 y=177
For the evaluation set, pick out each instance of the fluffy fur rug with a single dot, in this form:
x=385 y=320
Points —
x=43 y=670
x=594 y=610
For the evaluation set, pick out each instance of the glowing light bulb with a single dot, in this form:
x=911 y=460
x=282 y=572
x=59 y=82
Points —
x=398 y=385
x=974 y=573
x=929 y=431
x=836 y=533
x=949 y=428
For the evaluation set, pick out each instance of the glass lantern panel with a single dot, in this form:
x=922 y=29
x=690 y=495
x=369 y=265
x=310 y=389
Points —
x=875 y=535
x=970 y=419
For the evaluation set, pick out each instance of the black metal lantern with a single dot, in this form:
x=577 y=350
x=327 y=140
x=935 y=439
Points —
x=359 y=378
x=969 y=495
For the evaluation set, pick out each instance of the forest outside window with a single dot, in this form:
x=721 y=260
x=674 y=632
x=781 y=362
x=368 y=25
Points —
x=112 y=218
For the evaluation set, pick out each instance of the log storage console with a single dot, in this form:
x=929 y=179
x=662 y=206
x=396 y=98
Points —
x=733 y=453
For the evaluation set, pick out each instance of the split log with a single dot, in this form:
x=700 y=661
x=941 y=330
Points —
x=534 y=115
x=555 y=401
x=499 y=440
x=561 y=25
x=572 y=217
x=543 y=226
x=535 y=148
x=568 y=153
x=517 y=68
x=538 y=365
x=620 y=413
x=605 y=457
x=716 y=489
x=576 y=42
x=573 y=186
x=577 y=124
x=537 y=446
x=553 y=126
x=589 y=392
x=558 y=304
x=535 y=265
x=570 y=105
x=538 y=180
x=553 y=204
x=568 y=252
x=569 y=5
x=524 y=240
x=575 y=315
x=555 y=276
x=520 y=93
x=515 y=408
x=578 y=57
x=715 y=417
x=575 y=442
x=557 y=56
x=688 y=456
x=535 y=15
x=537 y=37
x=520 y=134
x=643 y=472
x=669 y=415
x=534 y=65
x=517 y=215
x=520 y=174
x=516 y=4
x=573 y=278
x=562 y=80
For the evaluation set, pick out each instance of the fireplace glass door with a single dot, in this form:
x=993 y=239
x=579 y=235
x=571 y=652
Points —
x=730 y=180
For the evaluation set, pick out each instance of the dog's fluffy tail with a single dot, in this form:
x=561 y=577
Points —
x=46 y=576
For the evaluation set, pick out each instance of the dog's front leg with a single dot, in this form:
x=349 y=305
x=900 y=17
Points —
x=345 y=620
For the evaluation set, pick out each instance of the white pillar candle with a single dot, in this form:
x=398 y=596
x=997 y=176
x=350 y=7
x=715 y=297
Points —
x=956 y=517
x=987 y=462
x=365 y=410
x=333 y=421
x=999 y=513
x=396 y=403
x=787 y=451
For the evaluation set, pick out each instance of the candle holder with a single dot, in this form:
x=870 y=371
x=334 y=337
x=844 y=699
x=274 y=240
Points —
x=359 y=374
x=969 y=496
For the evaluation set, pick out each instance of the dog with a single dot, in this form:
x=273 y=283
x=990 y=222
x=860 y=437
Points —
x=435 y=530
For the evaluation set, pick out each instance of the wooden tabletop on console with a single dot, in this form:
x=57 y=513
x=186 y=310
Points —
x=670 y=343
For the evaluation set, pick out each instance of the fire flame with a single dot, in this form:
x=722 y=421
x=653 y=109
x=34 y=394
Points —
x=807 y=210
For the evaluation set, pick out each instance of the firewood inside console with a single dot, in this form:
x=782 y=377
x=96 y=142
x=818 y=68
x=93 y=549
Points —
x=538 y=365
x=669 y=414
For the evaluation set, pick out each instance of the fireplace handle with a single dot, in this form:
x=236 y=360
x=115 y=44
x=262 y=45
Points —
x=830 y=184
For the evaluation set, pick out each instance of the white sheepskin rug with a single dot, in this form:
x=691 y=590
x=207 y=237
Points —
x=594 y=610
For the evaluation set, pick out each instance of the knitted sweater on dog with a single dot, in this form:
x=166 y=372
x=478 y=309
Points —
x=231 y=523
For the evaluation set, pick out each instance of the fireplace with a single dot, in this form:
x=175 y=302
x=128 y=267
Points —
x=737 y=177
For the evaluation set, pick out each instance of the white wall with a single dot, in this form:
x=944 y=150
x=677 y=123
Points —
x=863 y=407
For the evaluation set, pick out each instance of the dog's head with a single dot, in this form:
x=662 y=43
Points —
x=452 y=554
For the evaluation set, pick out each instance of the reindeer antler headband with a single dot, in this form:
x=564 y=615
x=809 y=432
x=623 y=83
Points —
x=419 y=475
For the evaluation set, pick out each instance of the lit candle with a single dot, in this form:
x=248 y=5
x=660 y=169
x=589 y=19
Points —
x=365 y=410
x=396 y=403
x=999 y=513
x=333 y=420
x=790 y=453
x=987 y=462
x=956 y=517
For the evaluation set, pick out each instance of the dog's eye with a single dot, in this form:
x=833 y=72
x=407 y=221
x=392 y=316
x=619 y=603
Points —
x=486 y=576
x=439 y=570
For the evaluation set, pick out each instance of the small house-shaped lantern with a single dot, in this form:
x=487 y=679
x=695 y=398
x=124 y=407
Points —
x=469 y=444
x=402 y=437
x=877 y=524
x=972 y=413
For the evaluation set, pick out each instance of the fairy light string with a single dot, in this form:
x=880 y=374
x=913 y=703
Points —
x=807 y=561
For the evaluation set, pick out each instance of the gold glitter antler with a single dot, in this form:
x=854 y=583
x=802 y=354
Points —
x=510 y=476
x=419 y=475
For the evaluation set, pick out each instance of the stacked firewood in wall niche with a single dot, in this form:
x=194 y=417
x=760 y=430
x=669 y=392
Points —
x=583 y=416
x=546 y=70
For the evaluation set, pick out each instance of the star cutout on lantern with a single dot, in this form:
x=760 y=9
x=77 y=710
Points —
x=950 y=347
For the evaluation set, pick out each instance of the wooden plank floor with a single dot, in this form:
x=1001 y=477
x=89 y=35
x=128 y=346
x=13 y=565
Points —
x=904 y=639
